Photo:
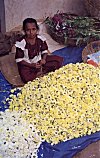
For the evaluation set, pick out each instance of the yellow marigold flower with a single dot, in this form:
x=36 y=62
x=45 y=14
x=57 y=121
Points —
x=63 y=104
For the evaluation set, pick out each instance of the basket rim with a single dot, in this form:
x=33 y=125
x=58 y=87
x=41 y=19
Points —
x=89 y=49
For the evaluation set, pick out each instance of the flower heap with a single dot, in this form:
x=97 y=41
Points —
x=18 y=139
x=63 y=105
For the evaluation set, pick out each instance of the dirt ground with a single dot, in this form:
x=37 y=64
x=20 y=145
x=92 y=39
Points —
x=91 y=151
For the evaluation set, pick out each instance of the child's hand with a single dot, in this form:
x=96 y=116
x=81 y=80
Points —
x=36 y=65
x=43 y=61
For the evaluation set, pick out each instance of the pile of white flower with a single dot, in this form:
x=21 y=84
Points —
x=18 y=138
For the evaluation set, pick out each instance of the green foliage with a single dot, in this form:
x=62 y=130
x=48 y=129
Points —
x=70 y=26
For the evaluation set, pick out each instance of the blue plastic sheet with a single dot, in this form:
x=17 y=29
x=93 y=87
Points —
x=70 y=54
x=64 y=149
x=67 y=149
x=5 y=88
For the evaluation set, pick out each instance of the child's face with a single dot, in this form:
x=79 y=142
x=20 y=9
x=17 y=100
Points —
x=31 y=30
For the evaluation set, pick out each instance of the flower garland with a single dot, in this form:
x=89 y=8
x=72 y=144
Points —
x=18 y=139
x=63 y=105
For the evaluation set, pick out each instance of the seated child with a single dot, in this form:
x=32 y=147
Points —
x=32 y=53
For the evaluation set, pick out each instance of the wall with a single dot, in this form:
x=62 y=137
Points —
x=17 y=10
x=2 y=16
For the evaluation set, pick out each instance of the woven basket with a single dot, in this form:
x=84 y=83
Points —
x=60 y=38
x=69 y=41
x=9 y=69
x=73 y=30
x=93 y=7
x=91 y=48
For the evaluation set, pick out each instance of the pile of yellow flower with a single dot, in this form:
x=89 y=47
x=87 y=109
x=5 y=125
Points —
x=63 y=105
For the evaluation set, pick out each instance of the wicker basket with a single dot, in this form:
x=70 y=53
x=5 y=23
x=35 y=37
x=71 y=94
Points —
x=91 y=48
x=9 y=69
x=69 y=41
x=60 y=38
x=93 y=7
x=73 y=30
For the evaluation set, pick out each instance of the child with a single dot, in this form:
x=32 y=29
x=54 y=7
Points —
x=32 y=53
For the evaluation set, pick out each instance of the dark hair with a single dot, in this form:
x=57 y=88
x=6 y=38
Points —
x=30 y=20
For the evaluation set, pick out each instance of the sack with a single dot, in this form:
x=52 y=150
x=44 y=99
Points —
x=5 y=45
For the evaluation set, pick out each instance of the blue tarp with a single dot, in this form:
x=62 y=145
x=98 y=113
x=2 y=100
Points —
x=70 y=54
x=4 y=92
x=67 y=149
x=64 y=149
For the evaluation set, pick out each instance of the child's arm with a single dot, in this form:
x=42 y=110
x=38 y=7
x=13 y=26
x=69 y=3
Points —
x=44 y=50
x=20 y=59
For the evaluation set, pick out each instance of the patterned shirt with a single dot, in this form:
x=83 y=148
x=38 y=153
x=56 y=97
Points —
x=31 y=53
